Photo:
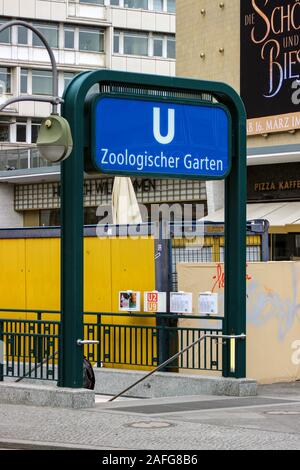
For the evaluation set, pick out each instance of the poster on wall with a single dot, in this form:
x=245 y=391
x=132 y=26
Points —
x=270 y=64
x=208 y=303
x=129 y=301
x=181 y=302
x=155 y=302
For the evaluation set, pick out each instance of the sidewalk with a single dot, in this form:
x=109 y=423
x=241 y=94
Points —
x=269 y=421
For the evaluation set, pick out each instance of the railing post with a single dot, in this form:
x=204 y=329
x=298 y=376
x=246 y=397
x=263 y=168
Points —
x=163 y=282
x=40 y=339
x=1 y=352
x=99 y=316
x=265 y=251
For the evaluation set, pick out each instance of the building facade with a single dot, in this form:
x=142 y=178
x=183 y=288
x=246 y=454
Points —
x=127 y=35
x=254 y=46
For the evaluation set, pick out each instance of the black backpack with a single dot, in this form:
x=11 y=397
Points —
x=88 y=375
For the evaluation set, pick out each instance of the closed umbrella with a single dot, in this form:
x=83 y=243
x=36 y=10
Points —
x=125 y=208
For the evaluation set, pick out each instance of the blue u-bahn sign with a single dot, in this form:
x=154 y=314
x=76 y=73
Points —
x=160 y=138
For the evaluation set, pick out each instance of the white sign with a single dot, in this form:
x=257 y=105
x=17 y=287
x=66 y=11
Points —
x=208 y=303
x=155 y=302
x=181 y=302
x=129 y=301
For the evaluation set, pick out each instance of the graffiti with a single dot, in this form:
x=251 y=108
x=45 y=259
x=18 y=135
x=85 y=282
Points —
x=219 y=278
x=265 y=304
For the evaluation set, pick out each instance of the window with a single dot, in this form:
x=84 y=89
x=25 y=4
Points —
x=158 y=5
x=136 y=44
x=24 y=81
x=158 y=46
x=35 y=125
x=115 y=2
x=22 y=35
x=21 y=130
x=5 y=35
x=68 y=76
x=171 y=47
x=50 y=32
x=69 y=38
x=136 y=4
x=41 y=82
x=4 y=130
x=5 y=80
x=49 y=218
x=116 y=43
x=171 y=6
x=93 y=2
x=91 y=40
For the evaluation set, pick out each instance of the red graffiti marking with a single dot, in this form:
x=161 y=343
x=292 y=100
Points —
x=219 y=278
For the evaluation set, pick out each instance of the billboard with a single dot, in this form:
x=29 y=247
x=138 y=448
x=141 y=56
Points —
x=270 y=64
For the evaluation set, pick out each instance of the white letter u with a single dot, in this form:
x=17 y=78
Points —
x=171 y=126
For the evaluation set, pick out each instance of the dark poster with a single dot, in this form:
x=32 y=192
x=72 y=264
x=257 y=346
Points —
x=270 y=64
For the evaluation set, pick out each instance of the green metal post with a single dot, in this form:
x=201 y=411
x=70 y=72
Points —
x=234 y=351
x=71 y=355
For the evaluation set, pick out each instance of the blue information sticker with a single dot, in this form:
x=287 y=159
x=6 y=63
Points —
x=161 y=139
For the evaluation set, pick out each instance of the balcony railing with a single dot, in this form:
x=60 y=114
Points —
x=21 y=159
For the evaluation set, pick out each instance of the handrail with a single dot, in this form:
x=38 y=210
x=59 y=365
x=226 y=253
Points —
x=242 y=336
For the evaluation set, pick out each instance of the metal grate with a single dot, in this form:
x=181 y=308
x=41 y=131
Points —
x=156 y=92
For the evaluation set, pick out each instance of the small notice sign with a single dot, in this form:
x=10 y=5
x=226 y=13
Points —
x=155 y=302
x=129 y=301
x=181 y=302
x=208 y=303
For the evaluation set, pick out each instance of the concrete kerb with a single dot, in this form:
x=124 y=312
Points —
x=162 y=384
x=43 y=395
x=112 y=381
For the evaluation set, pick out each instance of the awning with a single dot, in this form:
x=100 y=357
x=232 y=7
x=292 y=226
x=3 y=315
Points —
x=283 y=217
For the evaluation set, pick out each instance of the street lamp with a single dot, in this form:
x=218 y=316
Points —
x=54 y=140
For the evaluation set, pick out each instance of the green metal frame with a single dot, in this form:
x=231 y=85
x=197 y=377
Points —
x=71 y=355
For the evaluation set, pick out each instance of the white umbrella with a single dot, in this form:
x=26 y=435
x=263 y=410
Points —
x=125 y=208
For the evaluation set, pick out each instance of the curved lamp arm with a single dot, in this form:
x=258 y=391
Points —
x=55 y=100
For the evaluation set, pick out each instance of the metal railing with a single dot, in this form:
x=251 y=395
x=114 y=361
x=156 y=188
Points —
x=21 y=158
x=125 y=339
x=173 y=358
x=28 y=343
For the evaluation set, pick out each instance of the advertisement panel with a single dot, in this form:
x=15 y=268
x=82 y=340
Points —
x=270 y=64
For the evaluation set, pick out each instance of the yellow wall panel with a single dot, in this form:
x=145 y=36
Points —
x=97 y=269
x=43 y=273
x=12 y=276
x=133 y=268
